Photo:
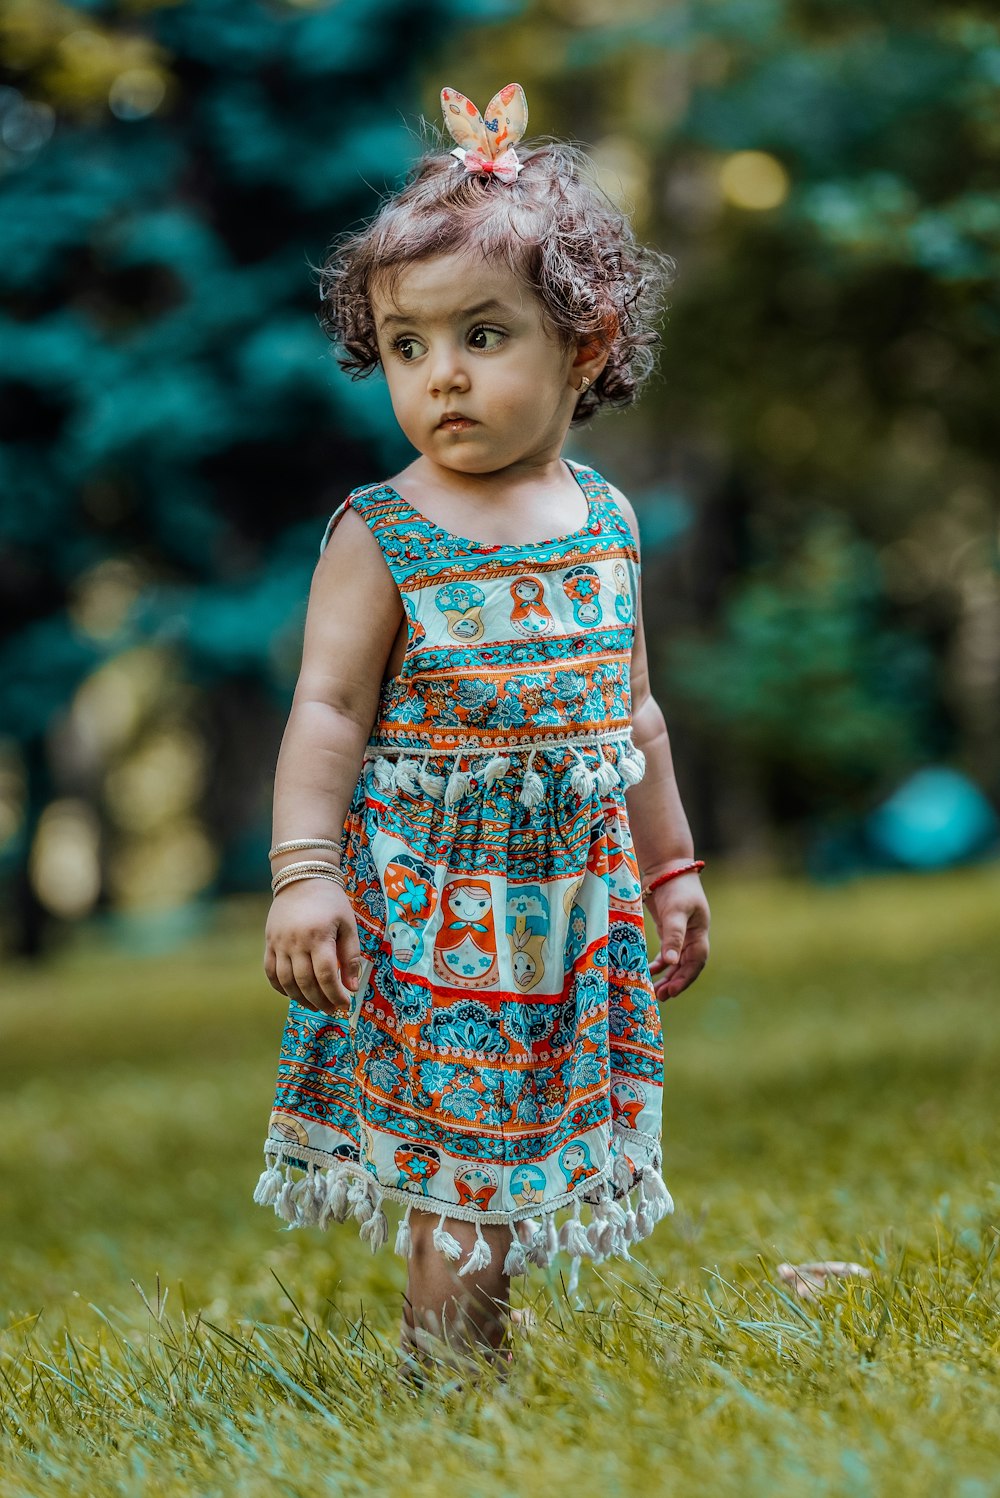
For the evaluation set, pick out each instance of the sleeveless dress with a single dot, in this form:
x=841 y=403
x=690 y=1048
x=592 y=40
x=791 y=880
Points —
x=503 y=1057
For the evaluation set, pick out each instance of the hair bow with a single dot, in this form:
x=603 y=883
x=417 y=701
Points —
x=486 y=144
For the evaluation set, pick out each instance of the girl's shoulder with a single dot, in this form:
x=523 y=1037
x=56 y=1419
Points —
x=368 y=501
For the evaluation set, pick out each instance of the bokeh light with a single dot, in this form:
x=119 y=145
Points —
x=136 y=93
x=160 y=779
x=64 y=866
x=162 y=870
x=622 y=171
x=754 y=180
x=111 y=703
x=102 y=596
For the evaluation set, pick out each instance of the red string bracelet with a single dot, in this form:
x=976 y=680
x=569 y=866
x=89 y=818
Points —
x=687 y=868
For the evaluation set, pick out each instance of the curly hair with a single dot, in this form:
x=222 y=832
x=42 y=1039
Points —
x=551 y=227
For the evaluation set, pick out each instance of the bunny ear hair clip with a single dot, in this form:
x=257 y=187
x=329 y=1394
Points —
x=486 y=143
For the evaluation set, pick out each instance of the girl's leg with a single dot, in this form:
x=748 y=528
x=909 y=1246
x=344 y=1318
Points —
x=464 y=1312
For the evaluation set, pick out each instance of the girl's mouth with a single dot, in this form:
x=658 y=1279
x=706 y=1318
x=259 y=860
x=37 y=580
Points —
x=455 y=423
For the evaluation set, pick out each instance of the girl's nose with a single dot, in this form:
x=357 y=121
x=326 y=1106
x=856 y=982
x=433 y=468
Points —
x=446 y=371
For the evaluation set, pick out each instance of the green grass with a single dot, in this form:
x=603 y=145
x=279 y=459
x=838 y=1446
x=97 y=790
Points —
x=831 y=1093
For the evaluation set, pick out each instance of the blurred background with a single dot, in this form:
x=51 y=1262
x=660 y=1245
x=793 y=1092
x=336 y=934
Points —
x=814 y=467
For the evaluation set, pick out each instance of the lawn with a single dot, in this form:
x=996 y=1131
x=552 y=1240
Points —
x=832 y=1085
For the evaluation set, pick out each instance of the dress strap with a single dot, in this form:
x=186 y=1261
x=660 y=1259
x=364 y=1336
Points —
x=403 y=537
x=603 y=502
x=373 y=504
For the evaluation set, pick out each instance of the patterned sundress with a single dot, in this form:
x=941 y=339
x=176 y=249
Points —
x=503 y=1057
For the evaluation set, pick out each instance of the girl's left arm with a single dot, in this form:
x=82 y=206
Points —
x=660 y=831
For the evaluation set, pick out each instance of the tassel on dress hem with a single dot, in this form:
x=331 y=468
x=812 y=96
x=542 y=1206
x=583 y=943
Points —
x=345 y=1190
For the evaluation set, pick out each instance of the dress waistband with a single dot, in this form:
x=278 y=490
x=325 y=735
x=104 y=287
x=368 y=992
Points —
x=412 y=771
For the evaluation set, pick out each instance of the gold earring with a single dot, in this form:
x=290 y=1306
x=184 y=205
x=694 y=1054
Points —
x=584 y=382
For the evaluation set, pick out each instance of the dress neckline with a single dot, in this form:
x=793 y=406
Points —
x=586 y=528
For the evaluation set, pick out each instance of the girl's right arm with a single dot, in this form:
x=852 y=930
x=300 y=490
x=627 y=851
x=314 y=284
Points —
x=311 y=950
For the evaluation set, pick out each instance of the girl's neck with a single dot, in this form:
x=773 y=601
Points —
x=528 y=476
x=519 y=504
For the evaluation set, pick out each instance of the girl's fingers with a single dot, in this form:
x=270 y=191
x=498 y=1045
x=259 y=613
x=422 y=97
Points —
x=329 y=975
x=669 y=955
x=287 y=982
x=328 y=997
x=349 y=955
x=682 y=976
x=305 y=978
x=271 y=970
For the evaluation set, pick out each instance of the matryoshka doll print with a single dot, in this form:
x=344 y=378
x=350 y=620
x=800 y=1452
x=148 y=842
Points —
x=624 y=886
x=627 y=1101
x=410 y=899
x=416 y=1164
x=465 y=952
x=574 y=1162
x=527 y=928
x=461 y=604
x=476 y=1186
x=527 y=1185
x=576 y=925
x=623 y=595
x=530 y=615
x=582 y=587
x=414 y=629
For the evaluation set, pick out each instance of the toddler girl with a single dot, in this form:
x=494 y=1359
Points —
x=474 y=792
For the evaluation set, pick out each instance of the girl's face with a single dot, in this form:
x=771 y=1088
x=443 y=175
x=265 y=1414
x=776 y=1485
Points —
x=461 y=338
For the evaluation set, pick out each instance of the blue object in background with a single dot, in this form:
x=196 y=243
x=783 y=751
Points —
x=936 y=818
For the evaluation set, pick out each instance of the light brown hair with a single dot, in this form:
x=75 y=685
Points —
x=552 y=228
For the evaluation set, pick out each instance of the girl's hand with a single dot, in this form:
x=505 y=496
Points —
x=311 y=948
x=680 y=912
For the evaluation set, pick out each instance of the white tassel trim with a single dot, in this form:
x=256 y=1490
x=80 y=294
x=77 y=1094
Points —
x=431 y=784
x=445 y=1243
x=382 y=773
x=516 y=1261
x=497 y=766
x=581 y=779
x=532 y=785
x=661 y=1203
x=606 y=777
x=404 y=1238
x=407 y=776
x=359 y=1199
x=644 y=1222
x=632 y=766
x=336 y=1204
x=375 y=1231
x=573 y=1236
x=481 y=1256
x=457 y=787
x=412 y=774
x=266 y=1193
x=336 y=1193
x=621 y=1174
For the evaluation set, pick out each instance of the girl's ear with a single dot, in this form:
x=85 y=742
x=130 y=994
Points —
x=594 y=352
x=590 y=360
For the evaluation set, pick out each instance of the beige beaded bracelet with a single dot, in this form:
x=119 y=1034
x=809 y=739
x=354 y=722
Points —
x=294 y=843
x=309 y=868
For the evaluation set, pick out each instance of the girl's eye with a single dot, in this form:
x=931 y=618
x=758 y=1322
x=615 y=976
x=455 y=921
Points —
x=408 y=349
x=486 y=339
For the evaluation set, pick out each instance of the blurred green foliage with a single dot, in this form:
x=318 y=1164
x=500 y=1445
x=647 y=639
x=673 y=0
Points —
x=805 y=674
x=826 y=177
x=815 y=470
x=170 y=174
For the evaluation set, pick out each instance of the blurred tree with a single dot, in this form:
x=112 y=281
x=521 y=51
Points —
x=173 y=432
x=827 y=176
